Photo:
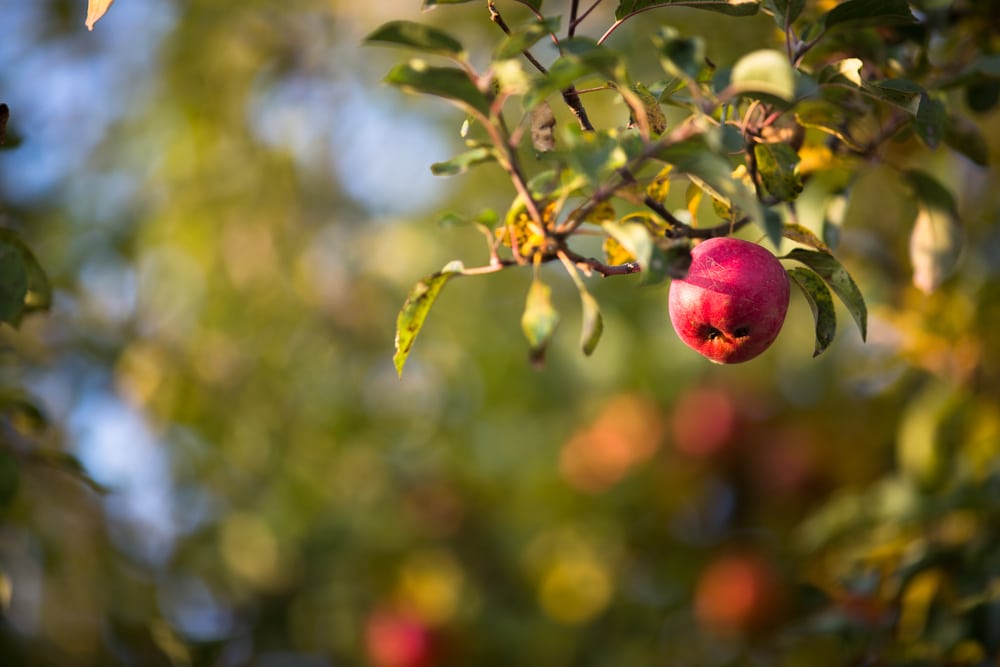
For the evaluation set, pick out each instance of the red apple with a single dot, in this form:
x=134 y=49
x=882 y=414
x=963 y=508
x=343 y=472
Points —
x=739 y=594
x=732 y=303
x=397 y=639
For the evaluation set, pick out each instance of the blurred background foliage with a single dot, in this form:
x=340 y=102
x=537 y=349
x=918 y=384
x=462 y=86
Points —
x=206 y=457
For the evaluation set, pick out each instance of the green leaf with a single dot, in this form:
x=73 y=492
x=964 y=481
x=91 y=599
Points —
x=592 y=324
x=836 y=276
x=785 y=11
x=713 y=173
x=869 y=12
x=825 y=117
x=634 y=238
x=764 y=71
x=627 y=8
x=804 y=235
x=682 y=57
x=13 y=284
x=931 y=120
x=773 y=226
x=900 y=93
x=964 y=136
x=778 y=166
x=39 y=292
x=522 y=39
x=581 y=57
x=462 y=163
x=447 y=82
x=539 y=319
x=821 y=303
x=418 y=36
x=594 y=154
x=937 y=239
x=486 y=219
x=414 y=311
x=641 y=96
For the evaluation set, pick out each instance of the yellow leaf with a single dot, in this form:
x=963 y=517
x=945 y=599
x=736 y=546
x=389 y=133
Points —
x=95 y=10
x=615 y=253
x=603 y=212
x=692 y=198
x=659 y=188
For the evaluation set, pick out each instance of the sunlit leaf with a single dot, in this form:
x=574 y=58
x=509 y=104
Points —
x=778 y=166
x=634 y=238
x=836 y=276
x=418 y=303
x=601 y=213
x=821 y=303
x=651 y=106
x=448 y=82
x=592 y=324
x=869 y=12
x=765 y=71
x=804 y=235
x=937 y=237
x=627 y=8
x=418 y=36
x=539 y=319
x=95 y=10
x=39 y=291
x=825 y=117
x=462 y=163
x=615 y=253
x=659 y=187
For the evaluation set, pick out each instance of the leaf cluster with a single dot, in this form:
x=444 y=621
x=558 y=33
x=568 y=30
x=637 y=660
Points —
x=747 y=138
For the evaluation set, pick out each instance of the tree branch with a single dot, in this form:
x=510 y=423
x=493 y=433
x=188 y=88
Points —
x=605 y=270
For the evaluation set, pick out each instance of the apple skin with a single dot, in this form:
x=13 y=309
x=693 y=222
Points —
x=397 y=639
x=740 y=594
x=733 y=301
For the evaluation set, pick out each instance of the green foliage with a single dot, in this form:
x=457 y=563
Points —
x=831 y=271
x=748 y=169
x=821 y=303
x=418 y=304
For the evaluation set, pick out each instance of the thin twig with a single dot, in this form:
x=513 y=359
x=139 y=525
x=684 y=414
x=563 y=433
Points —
x=597 y=266
x=578 y=20
x=574 y=7
x=569 y=95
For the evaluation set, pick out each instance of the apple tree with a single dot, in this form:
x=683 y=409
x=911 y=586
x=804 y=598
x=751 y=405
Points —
x=705 y=149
